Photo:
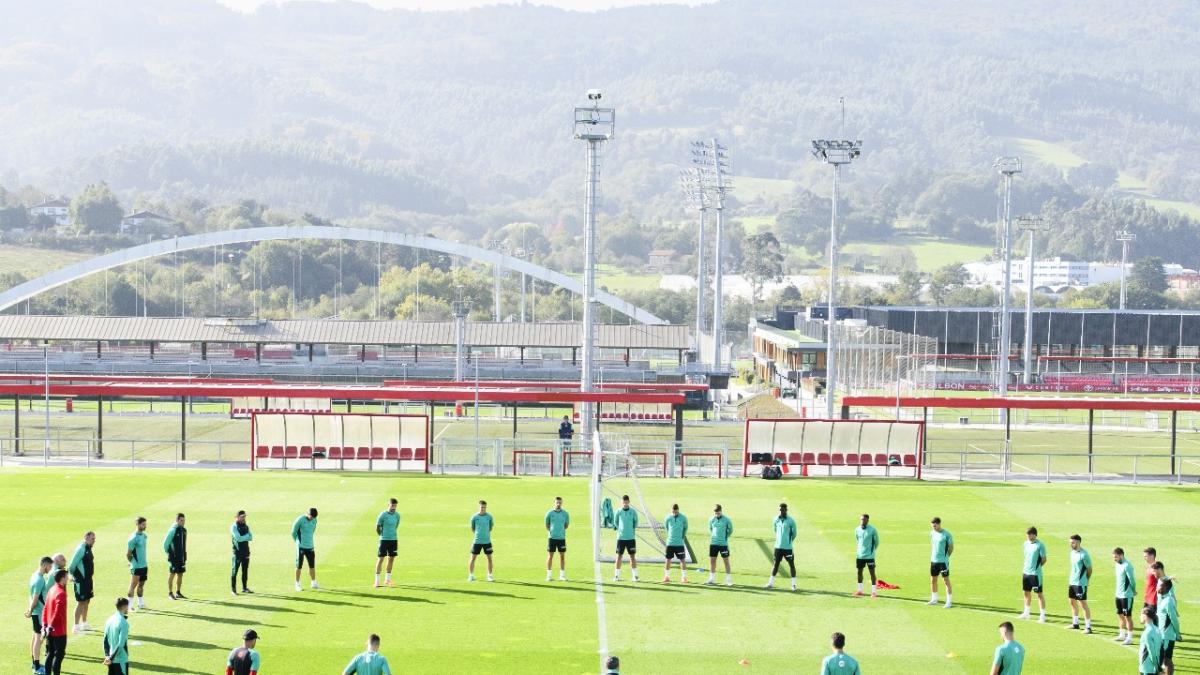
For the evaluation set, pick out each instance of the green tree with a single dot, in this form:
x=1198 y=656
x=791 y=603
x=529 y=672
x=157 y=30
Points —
x=762 y=263
x=1148 y=275
x=96 y=209
x=945 y=280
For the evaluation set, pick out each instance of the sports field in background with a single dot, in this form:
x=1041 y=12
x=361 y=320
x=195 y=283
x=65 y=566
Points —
x=433 y=621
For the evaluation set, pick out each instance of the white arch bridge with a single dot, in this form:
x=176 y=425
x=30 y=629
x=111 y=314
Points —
x=29 y=289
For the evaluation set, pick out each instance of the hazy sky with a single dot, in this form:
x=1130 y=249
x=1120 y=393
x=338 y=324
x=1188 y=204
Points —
x=582 y=5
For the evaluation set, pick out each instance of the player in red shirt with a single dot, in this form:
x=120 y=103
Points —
x=1150 y=597
x=54 y=624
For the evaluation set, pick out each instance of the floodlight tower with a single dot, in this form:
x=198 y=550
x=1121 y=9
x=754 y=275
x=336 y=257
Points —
x=1032 y=225
x=712 y=159
x=1124 y=236
x=692 y=182
x=460 y=308
x=594 y=125
x=1007 y=167
x=836 y=153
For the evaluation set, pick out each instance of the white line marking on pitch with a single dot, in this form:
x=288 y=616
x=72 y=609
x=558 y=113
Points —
x=601 y=621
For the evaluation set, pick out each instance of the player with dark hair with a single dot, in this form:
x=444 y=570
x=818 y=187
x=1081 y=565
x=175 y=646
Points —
x=1150 y=595
x=626 y=525
x=370 y=662
x=240 y=536
x=1150 y=644
x=1081 y=575
x=175 y=546
x=1125 y=592
x=116 y=640
x=557 y=522
x=942 y=547
x=54 y=623
x=82 y=568
x=303 y=530
x=385 y=526
x=839 y=662
x=866 y=539
x=1031 y=573
x=482 y=524
x=1010 y=655
x=612 y=666
x=38 y=586
x=720 y=528
x=139 y=566
x=1168 y=623
x=245 y=660
x=785 y=536
x=677 y=527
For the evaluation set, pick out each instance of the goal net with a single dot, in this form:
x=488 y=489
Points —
x=615 y=473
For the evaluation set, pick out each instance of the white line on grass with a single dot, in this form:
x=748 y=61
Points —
x=601 y=621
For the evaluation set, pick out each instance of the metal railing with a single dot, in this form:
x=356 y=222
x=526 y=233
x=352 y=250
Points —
x=1049 y=467
x=124 y=452
x=495 y=456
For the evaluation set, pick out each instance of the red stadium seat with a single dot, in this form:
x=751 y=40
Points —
x=306 y=452
x=792 y=457
x=392 y=453
x=262 y=451
x=881 y=460
x=823 y=458
x=276 y=452
x=376 y=453
x=910 y=460
x=364 y=453
x=864 y=459
x=406 y=454
x=809 y=458
x=291 y=452
x=837 y=459
x=334 y=452
x=419 y=454
x=851 y=459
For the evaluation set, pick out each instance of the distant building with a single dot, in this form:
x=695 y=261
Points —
x=145 y=221
x=1182 y=284
x=784 y=355
x=661 y=261
x=58 y=210
x=1055 y=275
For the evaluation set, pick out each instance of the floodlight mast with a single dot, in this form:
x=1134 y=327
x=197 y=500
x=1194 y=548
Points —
x=1008 y=167
x=1124 y=236
x=835 y=153
x=594 y=125
x=712 y=158
x=1032 y=225
x=692 y=182
x=460 y=308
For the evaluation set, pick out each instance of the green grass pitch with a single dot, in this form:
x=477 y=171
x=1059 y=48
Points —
x=433 y=621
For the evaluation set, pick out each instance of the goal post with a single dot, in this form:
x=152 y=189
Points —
x=614 y=474
x=533 y=462
x=704 y=464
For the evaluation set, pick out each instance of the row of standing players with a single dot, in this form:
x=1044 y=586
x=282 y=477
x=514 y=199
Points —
x=1162 y=628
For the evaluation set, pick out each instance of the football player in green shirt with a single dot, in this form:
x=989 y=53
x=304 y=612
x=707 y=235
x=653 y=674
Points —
x=175 y=546
x=785 y=535
x=626 y=527
x=866 y=539
x=245 y=660
x=1081 y=574
x=385 y=527
x=942 y=546
x=557 y=522
x=1126 y=590
x=1150 y=645
x=1031 y=573
x=1168 y=623
x=116 y=640
x=677 y=527
x=38 y=587
x=1010 y=656
x=82 y=568
x=720 y=528
x=135 y=553
x=370 y=662
x=839 y=662
x=304 y=530
x=481 y=542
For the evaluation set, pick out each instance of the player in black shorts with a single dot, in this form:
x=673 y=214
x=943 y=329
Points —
x=720 y=528
x=626 y=522
x=38 y=588
x=175 y=546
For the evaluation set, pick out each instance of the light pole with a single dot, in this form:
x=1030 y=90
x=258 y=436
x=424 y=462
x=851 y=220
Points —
x=594 y=125
x=461 y=308
x=1124 y=236
x=692 y=182
x=836 y=153
x=713 y=160
x=1008 y=167
x=46 y=361
x=1032 y=225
